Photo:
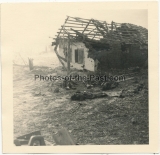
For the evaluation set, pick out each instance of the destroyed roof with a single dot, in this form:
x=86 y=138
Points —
x=79 y=29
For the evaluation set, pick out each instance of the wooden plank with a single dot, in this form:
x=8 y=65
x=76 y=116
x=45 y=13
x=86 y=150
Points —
x=106 y=26
x=71 y=30
x=95 y=35
x=98 y=34
x=92 y=30
x=73 y=26
x=100 y=21
x=112 y=26
x=62 y=58
x=78 y=21
x=63 y=26
x=68 y=57
x=69 y=34
x=63 y=137
x=55 y=49
x=76 y=27
x=30 y=61
x=86 y=26
x=84 y=34
x=79 y=18
x=75 y=23
x=87 y=19
x=96 y=23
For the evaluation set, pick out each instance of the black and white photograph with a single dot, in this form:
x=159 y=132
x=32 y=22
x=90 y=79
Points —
x=80 y=74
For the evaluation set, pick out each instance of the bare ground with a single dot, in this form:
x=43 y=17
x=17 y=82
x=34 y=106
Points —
x=109 y=120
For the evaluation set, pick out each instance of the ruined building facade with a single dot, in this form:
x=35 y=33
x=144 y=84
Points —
x=96 y=45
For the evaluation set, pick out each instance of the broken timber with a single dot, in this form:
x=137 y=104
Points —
x=68 y=57
x=55 y=49
x=101 y=36
x=96 y=29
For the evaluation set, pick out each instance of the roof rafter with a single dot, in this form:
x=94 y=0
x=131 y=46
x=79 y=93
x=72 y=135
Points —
x=81 y=29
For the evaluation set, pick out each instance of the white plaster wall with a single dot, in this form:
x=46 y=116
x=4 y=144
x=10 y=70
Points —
x=88 y=62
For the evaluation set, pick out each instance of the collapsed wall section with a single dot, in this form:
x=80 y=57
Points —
x=119 y=56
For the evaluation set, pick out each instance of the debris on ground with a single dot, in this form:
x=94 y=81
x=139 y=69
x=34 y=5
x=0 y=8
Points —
x=109 y=85
x=80 y=96
x=56 y=90
x=115 y=116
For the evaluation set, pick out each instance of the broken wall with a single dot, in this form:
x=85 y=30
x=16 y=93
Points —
x=117 y=55
x=120 y=58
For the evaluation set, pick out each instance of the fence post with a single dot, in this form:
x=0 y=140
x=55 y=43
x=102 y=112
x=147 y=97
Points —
x=30 y=63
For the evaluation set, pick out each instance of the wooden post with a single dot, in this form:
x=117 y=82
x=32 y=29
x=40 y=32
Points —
x=68 y=56
x=112 y=26
x=30 y=63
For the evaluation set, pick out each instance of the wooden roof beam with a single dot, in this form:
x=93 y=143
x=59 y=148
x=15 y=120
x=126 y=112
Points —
x=94 y=35
x=86 y=26
x=75 y=23
x=74 y=26
x=96 y=25
x=86 y=19
x=71 y=30
x=63 y=25
x=106 y=26
x=79 y=18
x=78 y=21
x=79 y=33
x=92 y=30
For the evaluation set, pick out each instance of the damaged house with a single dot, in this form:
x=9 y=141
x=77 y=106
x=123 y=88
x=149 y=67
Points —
x=97 y=45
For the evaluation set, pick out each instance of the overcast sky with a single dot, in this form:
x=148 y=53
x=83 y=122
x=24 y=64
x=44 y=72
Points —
x=27 y=27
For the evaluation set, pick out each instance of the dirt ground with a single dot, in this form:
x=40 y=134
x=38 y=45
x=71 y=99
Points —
x=101 y=121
